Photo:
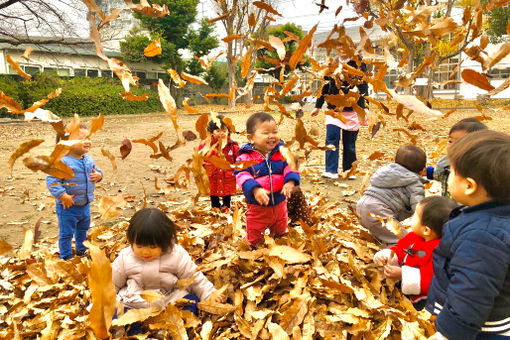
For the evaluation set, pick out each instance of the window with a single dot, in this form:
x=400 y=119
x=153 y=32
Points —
x=152 y=75
x=499 y=73
x=92 y=73
x=80 y=72
x=32 y=69
x=140 y=75
x=106 y=73
x=50 y=69
x=63 y=72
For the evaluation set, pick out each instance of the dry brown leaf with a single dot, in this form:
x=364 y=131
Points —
x=375 y=155
x=289 y=254
x=231 y=37
x=266 y=7
x=109 y=206
x=21 y=150
x=221 y=17
x=246 y=62
x=137 y=315
x=185 y=283
x=201 y=125
x=301 y=49
x=278 y=45
x=477 y=79
x=102 y=292
x=414 y=104
x=187 y=107
x=277 y=332
x=176 y=78
x=193 y=79
x=9 y=103
x=26 y=54
x=151 y=296
x=17 y=68
x=153 y=49
x=28 y=241
x=134 y=98
x=96 y=124
x=251 y=20
x=212 y=307
x=168 y=103
x=288 y=157
x=145 y=8
x=111 y=157
x=4 y=247
x=125 y=148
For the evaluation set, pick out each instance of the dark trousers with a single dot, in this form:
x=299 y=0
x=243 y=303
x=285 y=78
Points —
x=215 y=201
x=333 y=133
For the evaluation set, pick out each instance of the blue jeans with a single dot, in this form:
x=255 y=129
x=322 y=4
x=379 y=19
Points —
x=349 y=148
x=73 y=221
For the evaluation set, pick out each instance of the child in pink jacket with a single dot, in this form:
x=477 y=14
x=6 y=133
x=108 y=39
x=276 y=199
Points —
x=154 y=261
x=268 y=184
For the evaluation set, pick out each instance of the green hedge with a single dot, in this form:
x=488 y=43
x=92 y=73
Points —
x=84 y=96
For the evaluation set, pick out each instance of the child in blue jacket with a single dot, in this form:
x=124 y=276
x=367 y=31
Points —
x=470 y=290
x=73 y=197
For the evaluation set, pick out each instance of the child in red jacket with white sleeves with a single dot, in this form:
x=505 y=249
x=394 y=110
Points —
x=222 y=183
x=412 y=260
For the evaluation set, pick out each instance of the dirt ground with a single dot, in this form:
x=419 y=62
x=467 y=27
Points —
x=25 y=198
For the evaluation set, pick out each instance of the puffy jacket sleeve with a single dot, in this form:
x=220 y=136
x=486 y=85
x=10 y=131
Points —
x=417 y=193
x=478 y=272
x=201 y=287
x=55 y=186
x=244 y=178
x=118 y=272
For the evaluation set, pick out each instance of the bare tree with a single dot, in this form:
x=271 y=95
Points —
x=43 y=22
x=236 y=15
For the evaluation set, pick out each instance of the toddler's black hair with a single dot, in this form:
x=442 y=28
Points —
x=152 y=227
x=468 y=125
x=435 y=211
x=411 y=157
x=256 y=118
x=211 y=126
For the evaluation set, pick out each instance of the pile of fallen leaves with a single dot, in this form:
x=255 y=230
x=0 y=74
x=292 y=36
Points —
x=316 y=281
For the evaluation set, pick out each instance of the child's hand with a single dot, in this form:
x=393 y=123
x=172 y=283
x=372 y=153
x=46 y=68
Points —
x=67 y=200
x=95 y=176
x=217 y=297
x=381 y=258
x=287 y=188
x=393 y=272
x=261 y=195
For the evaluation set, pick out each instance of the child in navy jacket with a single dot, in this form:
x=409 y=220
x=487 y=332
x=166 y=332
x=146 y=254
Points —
x=268 y=184
x=73 y=196
x=412 y=260
x=470 y=290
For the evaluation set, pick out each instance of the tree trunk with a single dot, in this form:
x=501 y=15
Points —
x=410 y=67
x=231 y=74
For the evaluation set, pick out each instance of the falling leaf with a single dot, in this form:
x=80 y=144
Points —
x=145 y=8
x=102 y=292
x=477 y=79
x=149 y=143
x=21 y=150
x=137 y=315
x=189 y=136
x=251 y=20
x=96 y=124
x=110 y=206
x=168 y=103
x=131 y=97
x=9 y=103
x=301 y=49
x=278 y=45
x=176 y=78
x=266 y=7
x=414 y=104
x=375 y=155
x=221 y=17
x=17 y=68
x=111 y=157
x=193 y=79
x=26 y=54
x=52 y=164
x=151 y=296
x=246 y=62
x=153 y=49
x=231 y=37
x=187 y=107
x=125 y=148
x=201 y=125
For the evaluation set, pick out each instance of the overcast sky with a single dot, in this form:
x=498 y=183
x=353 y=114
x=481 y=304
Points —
x=302 y=12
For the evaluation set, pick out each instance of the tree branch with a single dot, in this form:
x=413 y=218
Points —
x=8 y=3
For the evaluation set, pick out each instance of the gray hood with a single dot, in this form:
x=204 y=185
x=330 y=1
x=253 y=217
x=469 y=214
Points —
x=392 y=176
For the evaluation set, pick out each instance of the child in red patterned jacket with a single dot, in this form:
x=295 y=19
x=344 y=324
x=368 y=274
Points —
x=268 y=184
x=222 y=183
x=412 y=260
